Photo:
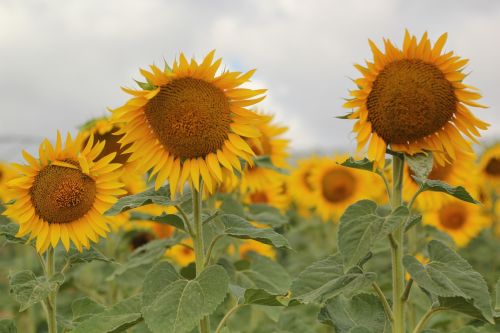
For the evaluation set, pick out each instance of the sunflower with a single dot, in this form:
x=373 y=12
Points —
x=336 y=187
x=6 y=174
x=414 y=100
x=105 y=131
x=183 y=253
x=272 y=194
x=300 y=186
x=459 y=173
x=489 y=168
x=63 y=194
x=249 y=245
x=189 y=122
x=462 y=221
x=269 y=144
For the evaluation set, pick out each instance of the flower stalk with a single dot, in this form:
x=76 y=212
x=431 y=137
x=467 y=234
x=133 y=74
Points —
x=50 y=302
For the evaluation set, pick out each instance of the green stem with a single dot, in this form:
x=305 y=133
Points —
x=52 y=298
x=381 y=296
x=397 y=249
x=199 y=247
x=423 y=321
x=226 y=317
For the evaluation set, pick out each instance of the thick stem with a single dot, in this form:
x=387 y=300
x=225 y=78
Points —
x=52 y=298
x=397 y=251
x=199 y=247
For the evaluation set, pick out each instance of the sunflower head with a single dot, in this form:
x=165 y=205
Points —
x=62 y=195
x=189 y=122
x=272 y=194
x=489 y=169
x=413 y=99
x=183 y=253
x=249 y=245
x=6 y=174
x=462 y=221
x=300 y=184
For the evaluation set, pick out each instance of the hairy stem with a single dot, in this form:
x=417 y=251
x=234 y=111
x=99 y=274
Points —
x=382 y=298
x=50 y=303
x=227 y=316
x=423 y=321
x=199 y=247
x=397 y=249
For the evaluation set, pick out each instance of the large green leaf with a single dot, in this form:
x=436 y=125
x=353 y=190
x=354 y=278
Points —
x=262 y=297
x=118 y=318
x=7 y=326
x=238 y=227
x=74 y=257
x=146 y=254
x=361 y=225
x=179 y=306
x=453 y=280
x=420 y=164
x=326 y=279
x=29 y=289
x=150 y=196
x=260 y=272
x=84 y=308
x=458 y=192
x=158 y=277
x=265 y=214
x=346 y=314
x=497 y=298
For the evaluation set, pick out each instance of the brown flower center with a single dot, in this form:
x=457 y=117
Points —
x=112 y=146
x=259 y=197
x=493 y=167
x=62 y=195
x=409 y=100
x=338 y=185
x=453 y=216
x=190 y=117
x=140 y=239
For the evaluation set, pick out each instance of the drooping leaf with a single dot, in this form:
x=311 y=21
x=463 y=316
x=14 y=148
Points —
x=87 y=255
x=348 y=314
x=150 y=196
x=420 y=164
x=453 y=280
x=179 y=306
x=260 y=272
x=9 y=231
x=117 y=318
x=146 y=254
x=84 y=308
x=7 y=326
x=361 y=225
x=238 y=227
x=265 y=214
x=458 y=192
x=28 y=289
x=262 y=297
x=326 y=279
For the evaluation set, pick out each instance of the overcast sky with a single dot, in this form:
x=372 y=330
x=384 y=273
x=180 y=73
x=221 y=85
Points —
x=63 y=62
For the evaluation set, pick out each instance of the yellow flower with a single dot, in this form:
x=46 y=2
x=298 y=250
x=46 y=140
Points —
x=270 y=144
x=462 y=221
x=250 y=245
x=6 y=174
x=460 y=172
x=300 y=186
x=413 y=99
x=190 y=123
x=271 y=194
x=63 y=194
x=182 y=254
x=336 y=187
x=489 y=168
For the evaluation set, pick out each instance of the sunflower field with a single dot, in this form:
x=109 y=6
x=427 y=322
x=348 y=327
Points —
x=185 y=211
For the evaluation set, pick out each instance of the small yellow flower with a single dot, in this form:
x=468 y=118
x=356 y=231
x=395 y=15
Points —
x=182 y=254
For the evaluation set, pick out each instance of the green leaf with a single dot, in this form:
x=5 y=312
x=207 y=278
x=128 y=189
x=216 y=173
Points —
x=361 y=225
x=84 y=308
x=262 y=273
x=118 y=318
x=453 y=280
x=150 y=196
x=264 y=161
x=29 y=289
x=146 y=254
x=7 y=326
x=326 y=279
x=170 y=219
x=231 y=206
x=9 y=231
x=265 y=214
x=364 y=164
x=238 y=227
x=413 y=221
x=420 y=164
x=361 y=313
x=87 y=255
x=262 y=297
x=458 y=192
x=158 y=277
x=497 y=298
x=179 y=306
